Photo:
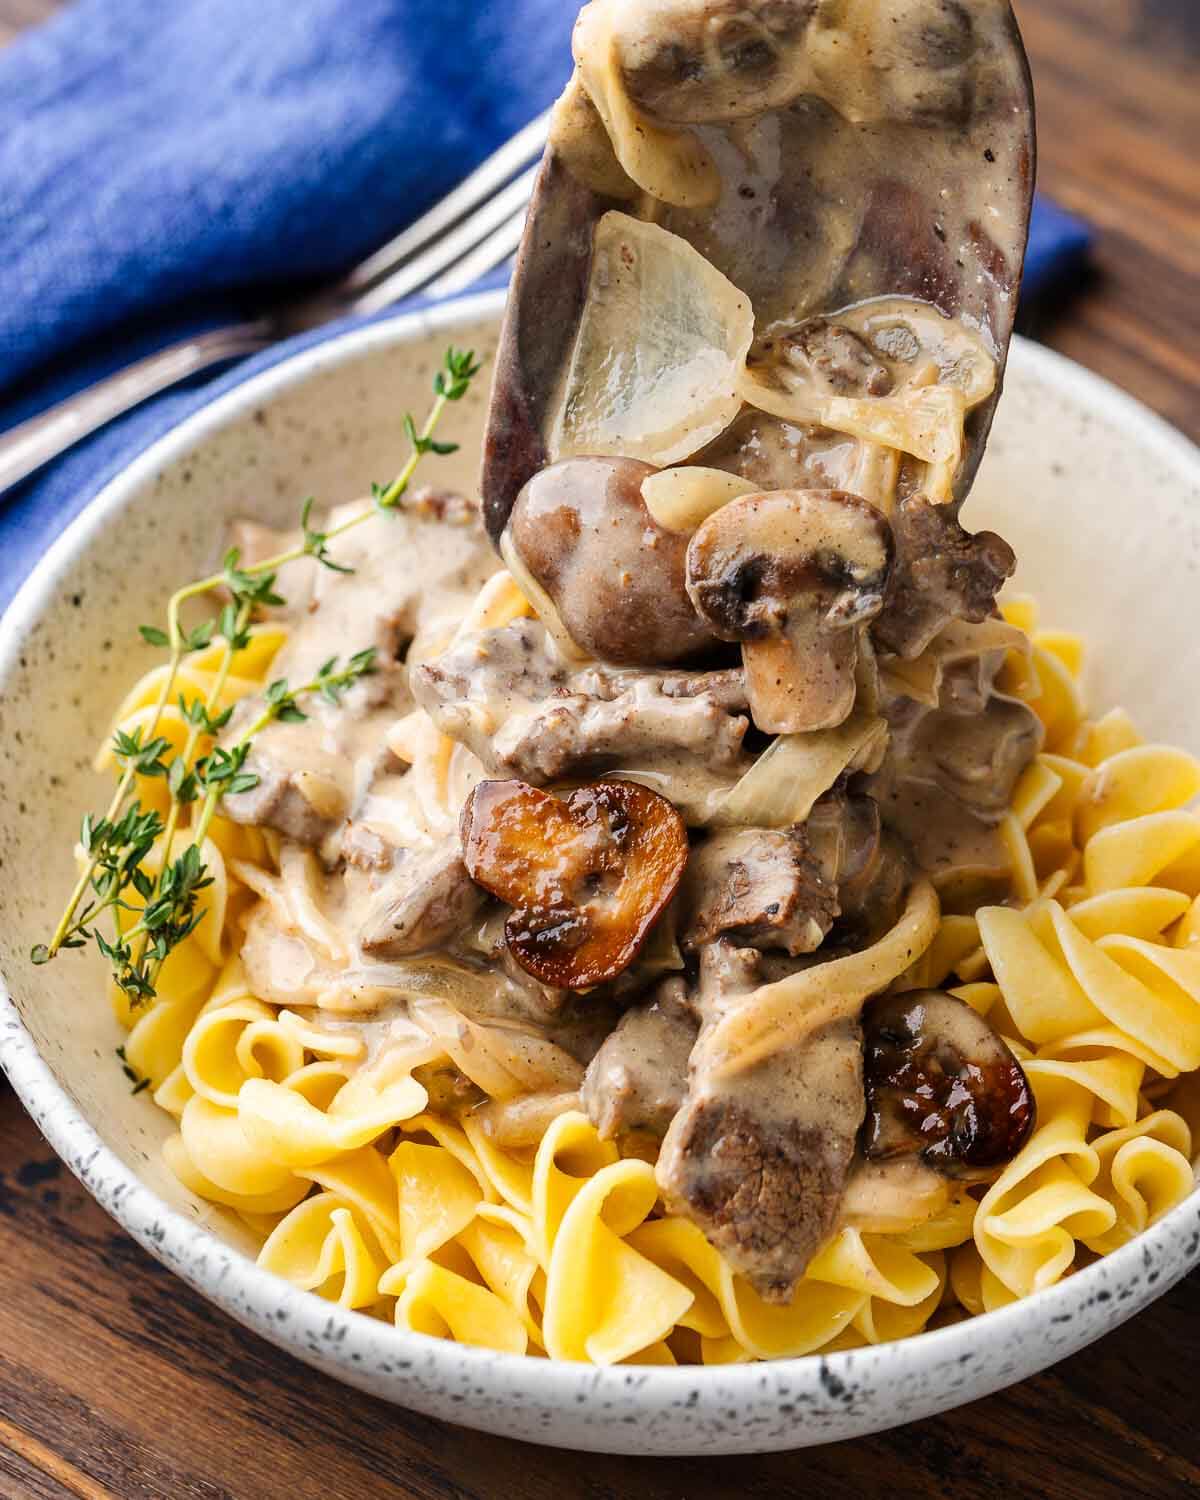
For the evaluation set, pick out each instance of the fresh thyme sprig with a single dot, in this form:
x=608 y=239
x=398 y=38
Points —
x=117 y=845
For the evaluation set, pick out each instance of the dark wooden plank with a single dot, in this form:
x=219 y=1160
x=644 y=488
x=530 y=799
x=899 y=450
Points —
x=1119 y=123
x=118 y=1381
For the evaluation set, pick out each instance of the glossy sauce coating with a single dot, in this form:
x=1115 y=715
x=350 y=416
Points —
x=586 y=877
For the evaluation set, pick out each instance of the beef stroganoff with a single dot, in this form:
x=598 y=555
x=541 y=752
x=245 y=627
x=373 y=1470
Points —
x=672 y=913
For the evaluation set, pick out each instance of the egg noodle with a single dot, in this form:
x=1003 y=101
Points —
x=359 y=1190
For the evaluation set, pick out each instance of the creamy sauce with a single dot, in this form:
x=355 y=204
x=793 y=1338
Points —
x=818 y=156
x=956 y=751
x=414 y=575
x=862 y=93
x=865 y=161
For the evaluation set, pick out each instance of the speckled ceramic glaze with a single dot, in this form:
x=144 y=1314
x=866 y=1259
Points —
x=1103 y=504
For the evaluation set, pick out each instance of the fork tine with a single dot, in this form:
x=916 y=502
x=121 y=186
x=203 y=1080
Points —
x=448 y=251
x=470 y=194
x=500 y=245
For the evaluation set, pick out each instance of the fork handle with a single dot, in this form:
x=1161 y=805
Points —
x=26 y=447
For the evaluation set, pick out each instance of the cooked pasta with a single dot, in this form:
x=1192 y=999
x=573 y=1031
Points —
x=527 y=1232
x=713 y=932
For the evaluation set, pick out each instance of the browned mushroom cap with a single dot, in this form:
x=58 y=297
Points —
x=616 y=577
x=587 y=877
x=793 y=574
x=942 y=1085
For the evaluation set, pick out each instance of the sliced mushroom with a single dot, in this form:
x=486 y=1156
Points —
x=615 y=576
x=830 y=359
x=587 y=876
x=941 y=1085
x=793 y=575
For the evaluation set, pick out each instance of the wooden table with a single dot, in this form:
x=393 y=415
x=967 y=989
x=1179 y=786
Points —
x=116 y=1380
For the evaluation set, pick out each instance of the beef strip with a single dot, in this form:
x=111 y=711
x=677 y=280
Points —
x=638 y=1078
x=411 y=572
x=777 y=455
x=941 y=573
x=300 y=805
x=948 y=778
x=426 y=901
x=311 y=774
x=509 y=697
x=761 y=887
x=759 y=1161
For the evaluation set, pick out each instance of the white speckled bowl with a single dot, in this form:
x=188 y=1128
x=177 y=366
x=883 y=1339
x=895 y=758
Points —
x=1102 y=502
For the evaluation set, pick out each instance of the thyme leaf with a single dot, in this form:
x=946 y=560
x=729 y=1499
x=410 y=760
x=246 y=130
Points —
x=153 y=906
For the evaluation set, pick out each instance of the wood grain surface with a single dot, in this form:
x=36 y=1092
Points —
x=117 y=1381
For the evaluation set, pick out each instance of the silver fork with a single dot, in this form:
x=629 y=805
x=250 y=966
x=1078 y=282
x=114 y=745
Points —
x=474 y=229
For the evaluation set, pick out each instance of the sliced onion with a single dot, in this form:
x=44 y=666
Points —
x=784 y=782
x=876 y=475
x=540 y=601
x=921 y=679
x=907 y=332
x=671 y=165
x=928 y=423
x=682 y=499
x=661 y=344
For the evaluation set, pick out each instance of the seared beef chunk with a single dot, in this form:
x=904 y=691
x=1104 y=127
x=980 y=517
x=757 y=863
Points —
x=310 y=774
x=302 y=805
x=404 y=578
x=777 y=455
x=942 y=573
x=427 y=900
x=766 y=1188
x=759 y=1160
x=638 y=1079
x=509 y=697
x=761 y=887
x=975 y=757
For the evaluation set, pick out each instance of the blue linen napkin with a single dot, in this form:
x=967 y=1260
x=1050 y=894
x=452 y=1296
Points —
x=162 y=162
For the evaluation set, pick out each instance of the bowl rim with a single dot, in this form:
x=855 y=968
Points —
x=281 y=1312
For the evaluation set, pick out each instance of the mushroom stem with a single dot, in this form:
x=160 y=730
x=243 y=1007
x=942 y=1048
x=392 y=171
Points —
x=794 y=575
x=798 y=685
